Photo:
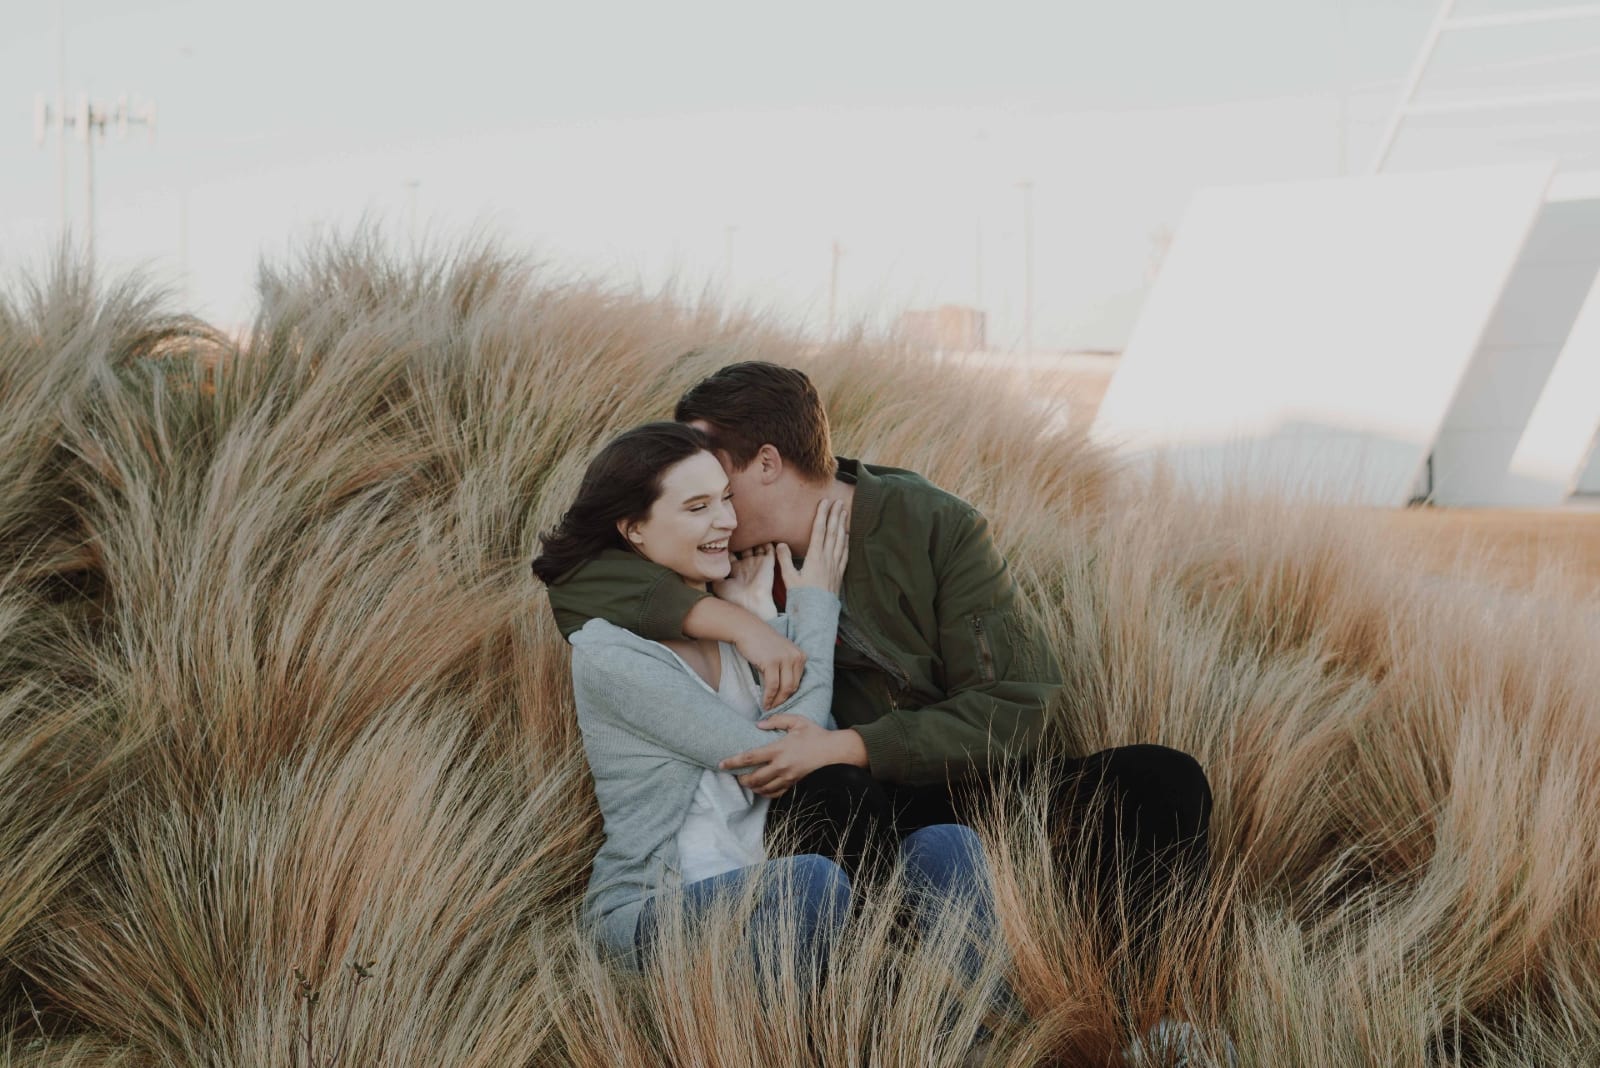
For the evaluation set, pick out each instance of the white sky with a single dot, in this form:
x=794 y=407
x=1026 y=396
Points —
x=624 y=140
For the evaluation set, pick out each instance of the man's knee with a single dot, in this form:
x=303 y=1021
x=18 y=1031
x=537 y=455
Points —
x=842 y=791
x=1170 y=780
x=1145 y=779
x=840 y=777
x=1183 y=779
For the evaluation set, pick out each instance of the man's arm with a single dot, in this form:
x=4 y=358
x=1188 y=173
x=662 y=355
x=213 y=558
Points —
x=1000 y=672
x=626 y=590
x=654 y=602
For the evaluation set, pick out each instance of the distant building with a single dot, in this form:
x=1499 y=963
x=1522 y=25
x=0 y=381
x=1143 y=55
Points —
x=947 y=328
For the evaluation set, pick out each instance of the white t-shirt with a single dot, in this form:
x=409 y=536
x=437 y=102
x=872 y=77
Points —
x=723 y=828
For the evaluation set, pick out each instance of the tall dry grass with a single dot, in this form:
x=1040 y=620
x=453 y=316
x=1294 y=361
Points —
x=278 y=692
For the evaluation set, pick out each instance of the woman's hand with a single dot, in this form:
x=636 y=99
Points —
x=749 y=583
x=829 y=551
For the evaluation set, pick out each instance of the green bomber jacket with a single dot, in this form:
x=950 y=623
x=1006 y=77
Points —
x=939 y=665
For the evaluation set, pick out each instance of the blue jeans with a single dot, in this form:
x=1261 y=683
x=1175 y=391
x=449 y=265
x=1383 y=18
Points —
x=944 y=864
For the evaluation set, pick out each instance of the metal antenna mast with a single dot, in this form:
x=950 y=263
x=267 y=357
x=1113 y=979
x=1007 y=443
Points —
x=833 y=287
x=89 y=120
x=1027 y=265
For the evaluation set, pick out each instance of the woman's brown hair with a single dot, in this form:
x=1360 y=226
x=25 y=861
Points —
x=622 y=482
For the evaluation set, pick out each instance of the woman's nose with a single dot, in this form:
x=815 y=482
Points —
x=726 y=519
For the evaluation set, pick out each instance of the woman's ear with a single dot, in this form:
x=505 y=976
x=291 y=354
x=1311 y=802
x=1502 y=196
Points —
x=629 y=529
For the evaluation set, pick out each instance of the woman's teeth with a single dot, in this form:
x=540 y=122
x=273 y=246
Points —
x=714 y=547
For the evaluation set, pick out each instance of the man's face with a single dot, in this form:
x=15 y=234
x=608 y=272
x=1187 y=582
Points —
x=752 y=497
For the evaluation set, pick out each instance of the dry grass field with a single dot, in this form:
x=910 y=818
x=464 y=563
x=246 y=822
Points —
x=279 y=697
x=1510 y=548
x=1513 y=548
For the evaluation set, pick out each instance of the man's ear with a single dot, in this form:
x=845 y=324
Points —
x=769 y=464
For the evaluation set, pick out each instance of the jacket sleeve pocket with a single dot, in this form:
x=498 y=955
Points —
x=980 y=625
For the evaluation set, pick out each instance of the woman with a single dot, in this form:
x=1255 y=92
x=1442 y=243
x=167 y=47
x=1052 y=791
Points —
x=656 y=718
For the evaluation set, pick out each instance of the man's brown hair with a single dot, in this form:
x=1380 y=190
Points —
x=751 y=404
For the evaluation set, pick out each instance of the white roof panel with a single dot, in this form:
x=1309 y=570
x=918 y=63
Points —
x=1311 y=335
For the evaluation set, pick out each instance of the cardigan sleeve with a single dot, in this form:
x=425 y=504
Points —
x=655 y=701
x=811 y=622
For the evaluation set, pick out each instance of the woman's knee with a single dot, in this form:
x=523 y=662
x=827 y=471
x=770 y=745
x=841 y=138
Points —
x=821 y=887
x=945 y=856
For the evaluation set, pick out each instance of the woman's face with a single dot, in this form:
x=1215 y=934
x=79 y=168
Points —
x=688 y=526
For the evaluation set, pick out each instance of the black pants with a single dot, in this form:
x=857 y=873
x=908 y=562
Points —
x=1144 y=811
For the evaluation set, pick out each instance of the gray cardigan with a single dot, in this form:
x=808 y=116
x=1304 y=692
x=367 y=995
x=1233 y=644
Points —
x=650 y=728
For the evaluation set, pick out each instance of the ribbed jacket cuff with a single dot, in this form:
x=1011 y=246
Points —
x=888 y=755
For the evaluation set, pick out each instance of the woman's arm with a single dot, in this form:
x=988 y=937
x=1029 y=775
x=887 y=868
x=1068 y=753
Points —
x=813 y=609
x=811 y=622
x=656 y=701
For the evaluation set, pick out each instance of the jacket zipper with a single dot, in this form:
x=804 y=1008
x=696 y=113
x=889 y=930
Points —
x=861 y=646
x=985 y=654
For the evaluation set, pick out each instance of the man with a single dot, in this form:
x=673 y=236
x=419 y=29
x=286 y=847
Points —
x=943 y=677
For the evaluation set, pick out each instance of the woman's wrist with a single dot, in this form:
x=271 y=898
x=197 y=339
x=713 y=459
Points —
x=765 y=610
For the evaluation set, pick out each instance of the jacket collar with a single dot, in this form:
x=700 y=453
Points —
x=867 y=508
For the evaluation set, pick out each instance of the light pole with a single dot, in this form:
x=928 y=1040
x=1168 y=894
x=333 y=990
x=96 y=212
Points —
x=1343 y=41
x=1027 y=265
x=88 y=120
x=61 y=106
x=977 y=264
x=979 y=155
x=411 y=185
x=833 y=287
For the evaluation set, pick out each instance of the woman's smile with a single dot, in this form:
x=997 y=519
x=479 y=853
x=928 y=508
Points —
x=691 y=523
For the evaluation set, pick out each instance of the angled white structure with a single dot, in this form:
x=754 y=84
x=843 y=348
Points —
x=1427 y=335
x=1556 y=457
x=1522 y=427
x=1310 y=337
x=1520 y=430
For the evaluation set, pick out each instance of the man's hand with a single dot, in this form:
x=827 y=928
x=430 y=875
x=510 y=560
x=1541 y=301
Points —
x=828 y=554
x=797 y=754
x=779 y=660
x=749 y=582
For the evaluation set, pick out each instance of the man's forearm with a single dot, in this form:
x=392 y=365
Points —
x=971 y=733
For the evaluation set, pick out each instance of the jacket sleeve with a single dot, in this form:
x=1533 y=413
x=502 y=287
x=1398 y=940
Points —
x=625 y=590
x=1000 y=673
